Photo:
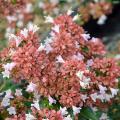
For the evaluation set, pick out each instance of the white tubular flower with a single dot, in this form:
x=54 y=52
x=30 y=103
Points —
x=48 y=48
x=5 y=102
x=8 y=94
x=96 y=1
x=101 y=97
x=89 y=63
x=51 y=100
x=54 y=2
x=104 y=117
x=114 y=91
x=12 y=36
x=45 y=119
x=16 y=38
x=18 y=92
x=18 y=41
x=76 y=110
x=67 y=118
x=9 y=30
x=102 y=89
x=20 y=24
x=76 y=17
x=36 y=95
x=56 y=28
x=63 y=111
x=41 y=4
x=41 y=48
x=85 y=82
x=24 y=32
x=80 y=74
x=1 y=93
x=11 y=110
x=82 y=84
x=78 y=57
x=49 y=19
x=117 y=56
x=69 y=12
x=6 y=74
x=108 y=97
x=31 y=87
x=32 y=27
x=77 y=45
x=94 y=96
x=11 y=18
x=102 y=20
x=60 y=59
x=104 y=97
x=36 y=104
x=84 y=97
x=52 y=34
x=94 y=39
x=48 y=40
x=30 y=117
x=86 y=36
x=29 y=8
x=9 y=66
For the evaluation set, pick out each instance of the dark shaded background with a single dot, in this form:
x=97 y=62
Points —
x=110 y=31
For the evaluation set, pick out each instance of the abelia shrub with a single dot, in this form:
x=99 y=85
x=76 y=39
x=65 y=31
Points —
x=63 y=74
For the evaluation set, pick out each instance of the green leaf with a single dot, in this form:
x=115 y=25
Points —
x=14 y=1
x=114 y=111
x=85 y=49
x=1 y=117
x=88 y=114
x=28 y=104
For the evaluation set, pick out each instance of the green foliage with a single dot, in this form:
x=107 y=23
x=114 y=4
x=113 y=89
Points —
x=114 y=111
x=114 y=1
x=88 y=114
x=14 y=1
x=85 y=49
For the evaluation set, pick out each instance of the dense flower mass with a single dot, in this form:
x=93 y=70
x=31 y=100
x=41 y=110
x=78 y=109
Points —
x=98 y=9
x=67 y=68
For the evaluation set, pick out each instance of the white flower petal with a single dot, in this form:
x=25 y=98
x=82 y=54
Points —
x=63 y=111
x=102 y=20
x=49 y=19
x=11 y=110
x=5 y=102
x=80 y=74
x=114 y=91
x=67 y=118
x=51 y=100
x=60 y=59
x=30 y=117
x=102 y=89
x=94 y=96
x=36 y=104
x=18 y=92
x=32 y=27
x=76 y=17
x=31 y=87
x=41 y=48
x=24 y=32
x=69 y=12
x=76 y=110
x=86 y=36
x=56 y=28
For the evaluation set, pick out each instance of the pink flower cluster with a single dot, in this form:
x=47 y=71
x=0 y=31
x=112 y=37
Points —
x=44 y=114
x=69 y=66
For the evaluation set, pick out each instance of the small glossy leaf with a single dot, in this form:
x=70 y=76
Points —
x=87 y=114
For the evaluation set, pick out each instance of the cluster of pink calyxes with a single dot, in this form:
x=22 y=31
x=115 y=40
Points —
x=68 y=67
